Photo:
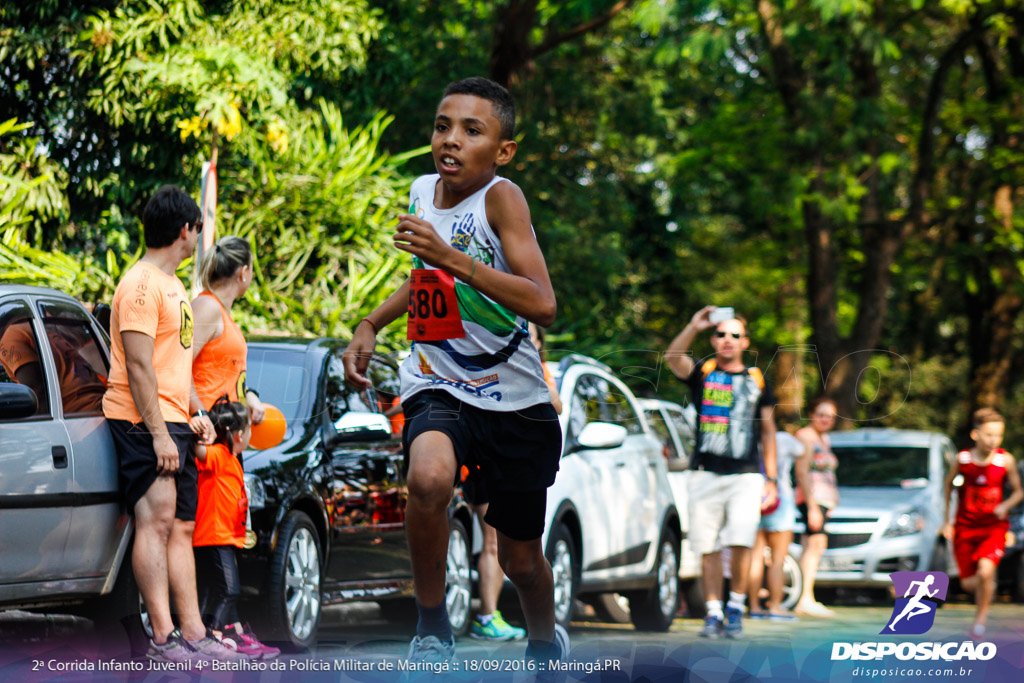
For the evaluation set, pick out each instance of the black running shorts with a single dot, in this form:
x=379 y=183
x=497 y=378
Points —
x=137 y=464
x=517 y=454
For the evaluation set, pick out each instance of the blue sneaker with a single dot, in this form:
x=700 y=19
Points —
x=496 y=630
x=713 y=627
x=733 y=622
x=423 y=654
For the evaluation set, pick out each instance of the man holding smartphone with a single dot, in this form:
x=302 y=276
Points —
x=735 y=429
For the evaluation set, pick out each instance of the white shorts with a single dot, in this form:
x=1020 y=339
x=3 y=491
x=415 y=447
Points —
x=724 y=509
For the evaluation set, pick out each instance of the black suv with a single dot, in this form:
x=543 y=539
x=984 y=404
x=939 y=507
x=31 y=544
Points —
x=328 y=503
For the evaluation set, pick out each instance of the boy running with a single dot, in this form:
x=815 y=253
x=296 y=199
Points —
x=473 y=387
x=979 y=533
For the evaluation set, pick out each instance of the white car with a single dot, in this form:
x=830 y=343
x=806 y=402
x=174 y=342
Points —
x=611 y=524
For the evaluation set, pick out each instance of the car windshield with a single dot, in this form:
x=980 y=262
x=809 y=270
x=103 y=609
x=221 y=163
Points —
x=881 y=465
x=277 y=374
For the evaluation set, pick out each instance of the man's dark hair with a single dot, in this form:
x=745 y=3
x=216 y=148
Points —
x=165 y=214
x=499 y=97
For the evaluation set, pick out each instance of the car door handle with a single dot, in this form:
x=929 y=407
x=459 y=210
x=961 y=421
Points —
x=620 y=464
x=60 y=457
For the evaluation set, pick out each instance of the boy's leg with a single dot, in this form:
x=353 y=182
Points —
x=986 y=588
x=432 y=467
x=525 y=565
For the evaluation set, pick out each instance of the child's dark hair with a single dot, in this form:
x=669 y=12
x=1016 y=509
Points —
x=228 y=417
x=983 y=416
x=498 y=96
x=165 y=214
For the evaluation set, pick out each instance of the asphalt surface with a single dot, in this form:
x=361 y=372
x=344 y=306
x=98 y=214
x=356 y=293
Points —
x=354 y=637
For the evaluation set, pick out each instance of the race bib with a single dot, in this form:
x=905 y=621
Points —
x=433 y=307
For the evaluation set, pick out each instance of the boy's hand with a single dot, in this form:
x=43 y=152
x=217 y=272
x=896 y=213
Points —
x=357 y=356
x=1001 y=511
x=947 y=531
x=419 y=238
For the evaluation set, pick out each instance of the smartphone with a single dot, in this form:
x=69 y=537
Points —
x=721 y=314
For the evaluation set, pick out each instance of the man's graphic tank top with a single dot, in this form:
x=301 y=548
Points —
x=494 y=367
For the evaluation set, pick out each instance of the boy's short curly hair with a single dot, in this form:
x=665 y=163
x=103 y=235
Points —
x=228 y=417
x=499 y=97
x=983 y=416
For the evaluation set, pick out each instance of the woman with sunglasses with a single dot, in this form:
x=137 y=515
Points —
x=823 y=499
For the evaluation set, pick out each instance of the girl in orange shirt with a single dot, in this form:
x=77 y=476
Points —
x=221 y=527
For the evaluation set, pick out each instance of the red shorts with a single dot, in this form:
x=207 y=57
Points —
x=972 y=544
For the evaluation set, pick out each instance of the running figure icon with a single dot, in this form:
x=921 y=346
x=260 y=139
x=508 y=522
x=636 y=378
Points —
x=915 y=607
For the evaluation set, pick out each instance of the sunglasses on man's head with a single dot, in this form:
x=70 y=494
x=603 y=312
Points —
x=722 y=335
x=198 y=225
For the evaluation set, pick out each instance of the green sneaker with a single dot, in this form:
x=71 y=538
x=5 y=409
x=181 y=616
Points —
x=496 y=630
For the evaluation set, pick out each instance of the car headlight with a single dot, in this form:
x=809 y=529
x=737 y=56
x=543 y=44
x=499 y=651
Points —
x=904 y=523
x=255 y=492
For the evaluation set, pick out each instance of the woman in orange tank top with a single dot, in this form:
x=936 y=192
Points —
x=218 y=346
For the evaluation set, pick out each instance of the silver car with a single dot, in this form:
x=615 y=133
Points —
x=890 y=508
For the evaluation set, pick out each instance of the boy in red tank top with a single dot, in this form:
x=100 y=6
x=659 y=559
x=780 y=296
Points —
x=979 y=532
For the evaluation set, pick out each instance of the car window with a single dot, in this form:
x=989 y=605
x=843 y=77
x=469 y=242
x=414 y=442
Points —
x=684 y=429
x=598 y=400
x=78 y=357
x=881 y=465
x=341 y=398
x=621 y=410
x=20 y=360
x=661 y=430
x=278 y=376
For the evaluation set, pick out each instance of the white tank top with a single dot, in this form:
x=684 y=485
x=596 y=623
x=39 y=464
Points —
x=495 y=366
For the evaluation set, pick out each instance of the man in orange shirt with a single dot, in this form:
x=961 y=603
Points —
x=147 y=405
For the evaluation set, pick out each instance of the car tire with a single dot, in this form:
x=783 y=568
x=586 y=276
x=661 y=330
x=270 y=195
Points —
x=123 y=607
x=1018 y=583
x=293 y=584
x=458 y=578
x=654 y=609
x=565 y=570
x=792 y=583
x=612 y=608
x=692 y=591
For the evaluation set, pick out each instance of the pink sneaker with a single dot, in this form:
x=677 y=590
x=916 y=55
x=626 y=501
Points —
x=250 y=646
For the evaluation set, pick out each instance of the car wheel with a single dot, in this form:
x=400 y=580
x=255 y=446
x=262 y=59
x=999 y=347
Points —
x=1018 y=576
x=124 y=607
x=792 y=582
x=565 y=570
x=654 y=609
x=693 y=593
x=612 y=608
x=458 y=581
x=293 y=595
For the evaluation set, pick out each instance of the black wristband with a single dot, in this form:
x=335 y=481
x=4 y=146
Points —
x=200 y=413
x=772 y=480
x=252 y=391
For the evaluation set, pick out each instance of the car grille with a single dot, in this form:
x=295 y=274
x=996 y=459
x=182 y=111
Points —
x=847 y=540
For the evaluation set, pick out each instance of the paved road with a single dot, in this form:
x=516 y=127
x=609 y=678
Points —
x=352 y=636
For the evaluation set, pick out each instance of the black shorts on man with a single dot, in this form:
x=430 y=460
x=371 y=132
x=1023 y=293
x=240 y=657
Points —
x=517 y=454
x=137 y=465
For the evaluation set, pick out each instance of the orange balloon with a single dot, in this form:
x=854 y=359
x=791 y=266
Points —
x=270 y=432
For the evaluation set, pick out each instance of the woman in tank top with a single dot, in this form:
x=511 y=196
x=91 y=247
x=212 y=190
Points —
x=824 y=498
x=218 y=346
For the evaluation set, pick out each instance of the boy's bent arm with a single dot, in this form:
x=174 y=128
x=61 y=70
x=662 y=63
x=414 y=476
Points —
x=947 y=490
x=364 y=340
x=1016 y=492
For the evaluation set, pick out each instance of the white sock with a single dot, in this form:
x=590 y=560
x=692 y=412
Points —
x=484 y=619
x=714 y=608
x=737 y=601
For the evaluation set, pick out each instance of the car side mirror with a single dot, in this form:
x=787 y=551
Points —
x=16 y=401
x=601 y=435
x=356 y=426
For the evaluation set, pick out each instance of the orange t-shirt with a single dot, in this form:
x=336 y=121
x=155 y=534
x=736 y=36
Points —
x=220 y=516
x=148 y=300
x=219 y=368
